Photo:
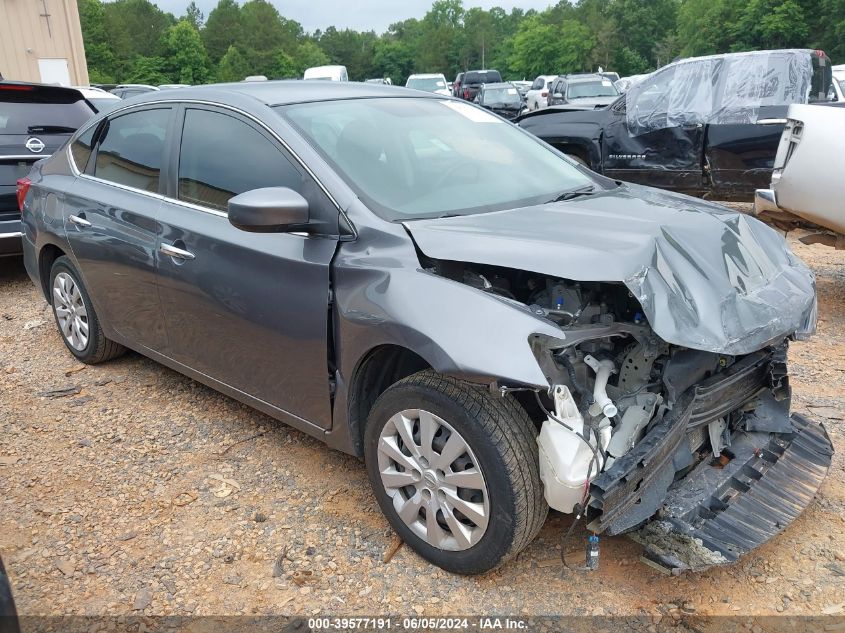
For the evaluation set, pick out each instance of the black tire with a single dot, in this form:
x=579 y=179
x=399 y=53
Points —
x=99 y=348
x=503 y=439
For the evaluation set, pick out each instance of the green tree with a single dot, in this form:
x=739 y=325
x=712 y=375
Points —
x=222 y=29
x=263 y=34
x=540 y=48
x=232 y=66
x=98 y=53
x=187 y=61
x=308 y=55
x=771 y=24
x=147 y=70
x=135 y=28
x=194 y=15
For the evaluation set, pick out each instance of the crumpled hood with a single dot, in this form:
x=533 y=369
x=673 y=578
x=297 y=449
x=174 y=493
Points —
x=707 y=277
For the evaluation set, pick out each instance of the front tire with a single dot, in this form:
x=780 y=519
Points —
x=455 y=470
x=75 y=316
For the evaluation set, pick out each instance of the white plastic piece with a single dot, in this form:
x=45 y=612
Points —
x=565 y=457
x=601 y=401
x=628 y=431
x=715 y=429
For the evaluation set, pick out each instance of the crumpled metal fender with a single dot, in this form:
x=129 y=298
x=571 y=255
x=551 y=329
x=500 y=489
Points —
x=457 y=329
x=382 y=296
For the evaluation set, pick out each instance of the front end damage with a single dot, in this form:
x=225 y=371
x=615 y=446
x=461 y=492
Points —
x=693 y=453
x=666 y=412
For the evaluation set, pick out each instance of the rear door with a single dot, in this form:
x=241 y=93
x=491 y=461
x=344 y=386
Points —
x=250 y=310
x=740 y=157
x=644 y=144
x=34 y=122
x=110 y=220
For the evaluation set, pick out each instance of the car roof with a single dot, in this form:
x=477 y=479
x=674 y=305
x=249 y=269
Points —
x=135 y=86
x=586 y=77
x=274 y=93
x=502 y=84
x=426 y=75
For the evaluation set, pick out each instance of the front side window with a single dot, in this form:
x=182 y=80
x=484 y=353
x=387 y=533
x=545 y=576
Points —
x=421 y=158
x=222 y=156
x=131 y=148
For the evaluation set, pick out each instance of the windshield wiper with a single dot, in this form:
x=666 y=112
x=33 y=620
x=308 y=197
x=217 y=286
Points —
x=574 y=193
x=49 y=129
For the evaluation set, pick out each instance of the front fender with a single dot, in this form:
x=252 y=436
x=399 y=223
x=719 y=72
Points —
x=457 y=329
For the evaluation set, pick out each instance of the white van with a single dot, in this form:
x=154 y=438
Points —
x=327 y=73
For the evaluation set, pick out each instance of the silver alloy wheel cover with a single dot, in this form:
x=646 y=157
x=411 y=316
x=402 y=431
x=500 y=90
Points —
x=435 y=484
x=71 y=313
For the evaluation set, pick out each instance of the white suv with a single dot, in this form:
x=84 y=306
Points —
x=538 y=95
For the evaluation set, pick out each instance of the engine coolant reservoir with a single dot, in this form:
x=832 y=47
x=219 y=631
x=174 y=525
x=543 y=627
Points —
x=564 y=457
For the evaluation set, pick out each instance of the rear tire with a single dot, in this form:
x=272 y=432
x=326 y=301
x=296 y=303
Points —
x=469 y=487
x=75 y=316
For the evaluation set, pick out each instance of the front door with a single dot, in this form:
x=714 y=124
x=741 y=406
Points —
x=110 y=221
x=654 y=139
x=249 y=310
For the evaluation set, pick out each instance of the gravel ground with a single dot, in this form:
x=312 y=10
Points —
x=140 y=491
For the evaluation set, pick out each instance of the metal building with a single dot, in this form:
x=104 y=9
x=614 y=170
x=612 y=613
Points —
x=41 y=41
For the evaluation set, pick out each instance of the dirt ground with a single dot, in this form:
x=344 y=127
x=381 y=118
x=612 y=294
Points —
x=144 y=492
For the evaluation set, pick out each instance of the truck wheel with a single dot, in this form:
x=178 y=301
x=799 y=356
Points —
x=76 y=318
x=455 y=470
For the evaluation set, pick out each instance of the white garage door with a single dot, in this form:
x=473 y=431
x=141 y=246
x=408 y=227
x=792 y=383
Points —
x=54 y=71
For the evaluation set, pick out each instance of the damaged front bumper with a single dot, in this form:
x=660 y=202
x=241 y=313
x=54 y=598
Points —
x=744 y=504
x=691 y=515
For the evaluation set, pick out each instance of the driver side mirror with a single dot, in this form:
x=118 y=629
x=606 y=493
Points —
x=269 y=210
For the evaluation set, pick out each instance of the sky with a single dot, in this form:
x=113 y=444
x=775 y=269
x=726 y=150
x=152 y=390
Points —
x=361 y=15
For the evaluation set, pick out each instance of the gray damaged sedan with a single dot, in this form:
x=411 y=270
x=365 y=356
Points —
x=495 y=329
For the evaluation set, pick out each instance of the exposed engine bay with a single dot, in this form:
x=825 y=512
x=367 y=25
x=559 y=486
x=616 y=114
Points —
x=669 y=443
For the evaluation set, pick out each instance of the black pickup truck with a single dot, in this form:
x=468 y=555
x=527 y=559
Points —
x=706 y=126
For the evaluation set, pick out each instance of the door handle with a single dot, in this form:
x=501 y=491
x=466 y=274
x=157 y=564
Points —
x=79 y=221
x=172 y=251
x=771 y=121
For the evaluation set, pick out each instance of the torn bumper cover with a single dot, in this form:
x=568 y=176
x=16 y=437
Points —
x=758 y=495
x=713 y=512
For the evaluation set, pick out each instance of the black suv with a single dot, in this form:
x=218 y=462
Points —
x=474 y=79
x=35 y=120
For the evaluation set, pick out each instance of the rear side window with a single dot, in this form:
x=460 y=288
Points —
x=222 y=156
x=130 y=149
x=82 y=147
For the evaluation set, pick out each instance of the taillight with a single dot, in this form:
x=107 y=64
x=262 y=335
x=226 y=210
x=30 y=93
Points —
x=466 y=93
x=22 y=190
x=545 y=93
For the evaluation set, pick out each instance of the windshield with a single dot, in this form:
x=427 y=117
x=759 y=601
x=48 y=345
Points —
x=429 y=84
x=505 y=96
x=588 y=89
x=421 y=158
